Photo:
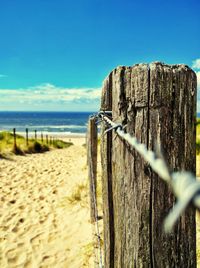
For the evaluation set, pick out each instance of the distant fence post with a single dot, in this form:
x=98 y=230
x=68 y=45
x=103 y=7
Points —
x=26 y=136
x=35 y=134
x=157 y=104
x=14 y=137
x=47 y=141
x=41 y=136
x=92 y=164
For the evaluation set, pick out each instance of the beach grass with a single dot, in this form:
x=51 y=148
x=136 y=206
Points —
x=34 y=146
x=79 y=194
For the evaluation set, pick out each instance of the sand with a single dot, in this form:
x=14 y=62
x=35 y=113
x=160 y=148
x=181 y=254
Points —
x=40 y=225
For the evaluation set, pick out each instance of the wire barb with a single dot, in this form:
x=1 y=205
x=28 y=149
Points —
x=113 y=128
x=183 y=184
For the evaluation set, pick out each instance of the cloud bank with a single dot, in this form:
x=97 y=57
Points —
x=48 y=97
x=196 y=64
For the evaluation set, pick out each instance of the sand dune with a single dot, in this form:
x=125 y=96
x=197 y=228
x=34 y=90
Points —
x=38 y=226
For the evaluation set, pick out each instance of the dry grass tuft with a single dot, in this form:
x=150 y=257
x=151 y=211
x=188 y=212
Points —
x=79 y=194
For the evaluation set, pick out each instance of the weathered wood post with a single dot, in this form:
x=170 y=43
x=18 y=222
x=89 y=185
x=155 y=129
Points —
x=42 y=137
x=157 y=103
x=26 y=136
x=92 y=164
x=14 y=139
x=107 y=192
x=35 y=134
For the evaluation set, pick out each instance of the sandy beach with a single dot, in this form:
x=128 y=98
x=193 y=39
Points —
x=44 y=210
x=42 y=221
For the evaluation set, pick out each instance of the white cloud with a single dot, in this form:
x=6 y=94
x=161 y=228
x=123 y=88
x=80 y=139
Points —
x=48 y=95
x=196 y=64
x=198 y=91
x=198 y=80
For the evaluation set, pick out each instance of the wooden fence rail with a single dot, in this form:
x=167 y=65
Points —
x=156 y=103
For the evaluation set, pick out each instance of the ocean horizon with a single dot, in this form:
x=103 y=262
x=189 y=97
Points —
x=55 y=123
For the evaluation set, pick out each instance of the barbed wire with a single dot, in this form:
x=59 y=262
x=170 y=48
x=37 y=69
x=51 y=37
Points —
x=183 y=184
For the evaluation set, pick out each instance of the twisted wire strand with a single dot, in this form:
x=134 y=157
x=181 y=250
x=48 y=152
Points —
x=184 y=185
x=97 y=226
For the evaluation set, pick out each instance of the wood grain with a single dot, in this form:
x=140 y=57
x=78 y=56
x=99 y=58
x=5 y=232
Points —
x=157 y=103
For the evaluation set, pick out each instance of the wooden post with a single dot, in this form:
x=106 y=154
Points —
x=157 y=103
x=42 y=137
x=92 y=164
x=35 y=134
x=14 y=137
x=107 y=192
x=26 y=136
x=47 y=140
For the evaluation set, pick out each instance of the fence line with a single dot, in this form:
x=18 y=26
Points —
x=49 y=139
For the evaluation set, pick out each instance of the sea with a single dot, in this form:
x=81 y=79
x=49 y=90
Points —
x=55 y=123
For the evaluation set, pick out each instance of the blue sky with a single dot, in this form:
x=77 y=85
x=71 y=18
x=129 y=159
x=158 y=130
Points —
x=53 y=49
